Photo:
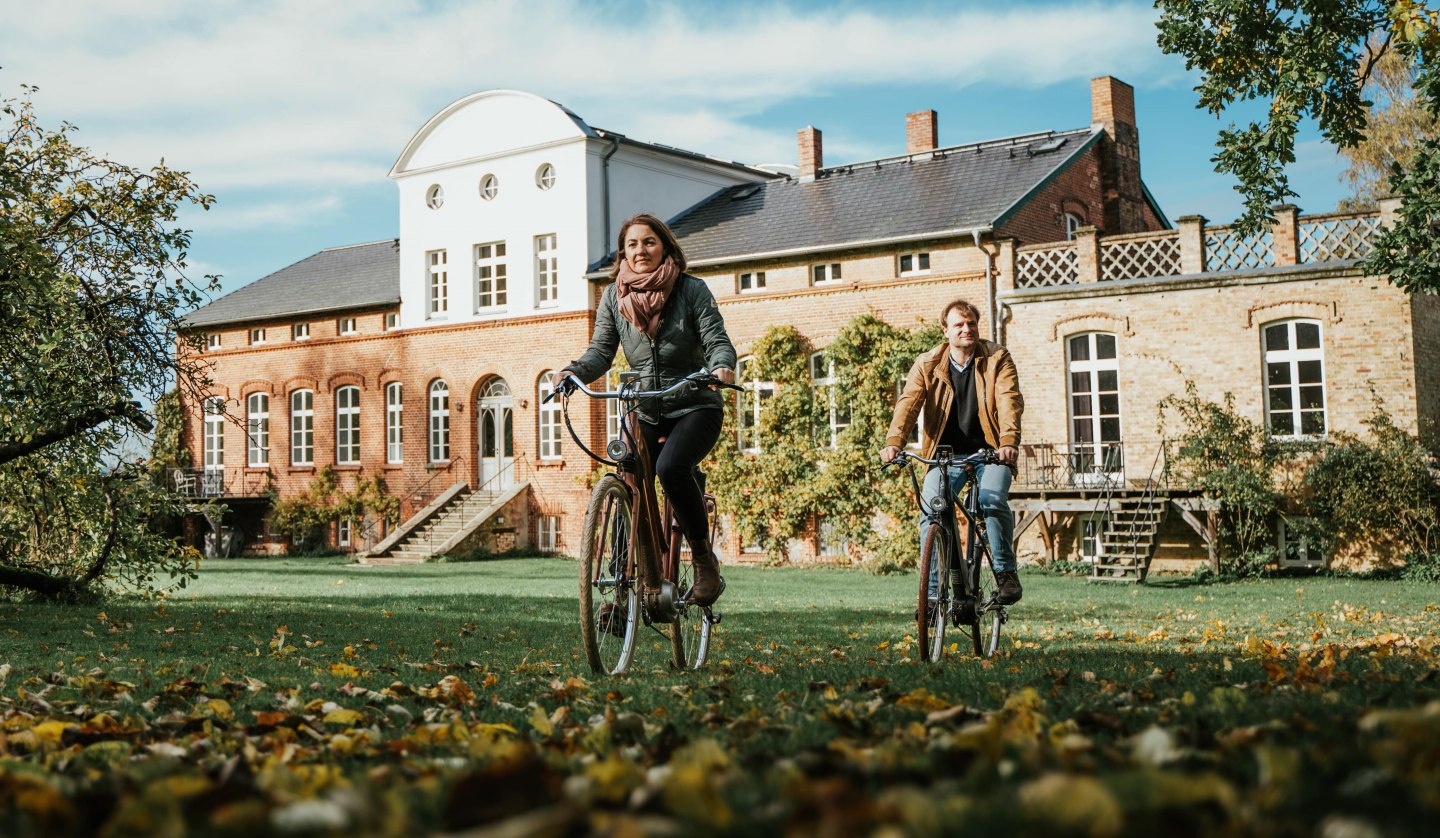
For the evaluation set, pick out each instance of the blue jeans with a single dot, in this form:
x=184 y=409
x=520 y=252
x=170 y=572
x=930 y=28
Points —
x=994 y=505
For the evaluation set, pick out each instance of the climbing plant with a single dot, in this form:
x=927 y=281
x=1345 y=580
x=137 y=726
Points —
x=306 y=515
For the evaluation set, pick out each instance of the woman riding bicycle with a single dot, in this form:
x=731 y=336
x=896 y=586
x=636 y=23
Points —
x=670 y=326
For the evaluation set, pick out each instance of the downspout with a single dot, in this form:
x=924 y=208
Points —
x=605 y=186
x=992 y=304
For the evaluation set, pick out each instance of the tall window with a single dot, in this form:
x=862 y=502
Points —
x=490 y=276
x=1294 y=379
x=836 y=413
x=547 y=278
x=750 y=404
x=302 y=428
x=257 y=430
x=548 y=533
x=394 y=422
x=1094 y=405
x=1072 y=225
x=214 y=433
x=439 y=282
x=439 y=422
x=549 y=419
x=613 y=407
x=347 y=426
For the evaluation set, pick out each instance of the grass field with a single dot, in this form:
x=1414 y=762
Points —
x=312 y=696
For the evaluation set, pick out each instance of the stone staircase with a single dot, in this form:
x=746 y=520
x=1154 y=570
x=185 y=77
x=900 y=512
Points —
x=1127 y=540
x=441 y=526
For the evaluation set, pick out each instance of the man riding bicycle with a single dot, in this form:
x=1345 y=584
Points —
x=968 y=392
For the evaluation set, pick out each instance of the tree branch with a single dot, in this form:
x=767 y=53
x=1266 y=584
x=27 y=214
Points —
x=63 y=430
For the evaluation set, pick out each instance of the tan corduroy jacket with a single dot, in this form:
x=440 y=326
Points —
x=927 y=386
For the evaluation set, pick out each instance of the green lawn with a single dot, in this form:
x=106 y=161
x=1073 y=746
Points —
x=286 y=695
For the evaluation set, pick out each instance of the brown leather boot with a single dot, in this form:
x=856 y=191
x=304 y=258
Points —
x=709 y=584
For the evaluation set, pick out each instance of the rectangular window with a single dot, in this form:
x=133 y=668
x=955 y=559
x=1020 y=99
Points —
x=750 y=406
x=831 y=542
x=214 y=438
x=548 y=535
x=836 y=412
x=1298 y=546
x=342 y=532
x=1294 y=379
x=346 y=326
x=300 y=331
x=302 y=428
x=392 y=320
x=257 y=430
x=257 y=336
x=394 y=422
x=613 y=407
x=914 y=263
x=821 y=274
x=550 y=419
x=491 y=277
x=347 y=426
x=1088 y=531
x=547 y=277
x=439 y=283
x=748 y=283
x=212 y=341
x=439 y=422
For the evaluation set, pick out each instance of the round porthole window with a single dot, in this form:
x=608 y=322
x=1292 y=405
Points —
x=435 y=197
x=545 y=176
x=489 y=187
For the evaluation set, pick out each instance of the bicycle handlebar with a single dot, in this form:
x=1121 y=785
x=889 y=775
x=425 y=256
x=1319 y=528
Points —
x=702 y=377
x=984 y=457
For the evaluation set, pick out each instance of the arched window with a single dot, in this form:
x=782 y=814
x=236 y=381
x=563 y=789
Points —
x=1073 y=223
x=347 y=426
x=1094 y=367
x=257 y=430
x=394 y=422
x=836 y=411
x=1294 y=378
x=439 y=422
x=549 y=419
x=302 y=428
x=750 y=404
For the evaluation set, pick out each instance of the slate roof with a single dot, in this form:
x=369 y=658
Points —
x=356 y=276
x=958 y=189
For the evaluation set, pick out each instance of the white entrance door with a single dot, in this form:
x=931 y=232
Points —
x=496 y=415
x=1096 y=455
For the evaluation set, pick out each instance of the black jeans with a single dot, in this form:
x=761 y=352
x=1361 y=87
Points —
x=688 y=439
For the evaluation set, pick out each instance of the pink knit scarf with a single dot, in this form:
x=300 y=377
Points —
x=642 y=296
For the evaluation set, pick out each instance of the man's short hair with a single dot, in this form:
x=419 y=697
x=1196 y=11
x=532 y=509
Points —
x=964 y=306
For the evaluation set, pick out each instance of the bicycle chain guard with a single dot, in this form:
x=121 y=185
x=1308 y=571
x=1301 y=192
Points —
x=660 y=605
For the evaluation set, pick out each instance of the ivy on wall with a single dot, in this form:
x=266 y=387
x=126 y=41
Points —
x=305 y=517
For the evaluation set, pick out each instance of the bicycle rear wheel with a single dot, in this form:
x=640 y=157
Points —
x=932 y=615
x=609 y=607
x=690 y=633
x=989 y=615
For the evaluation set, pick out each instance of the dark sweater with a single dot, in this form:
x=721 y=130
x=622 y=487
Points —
x=962 y=432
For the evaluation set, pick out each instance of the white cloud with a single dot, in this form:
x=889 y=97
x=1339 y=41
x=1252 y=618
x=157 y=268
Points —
x=326 y=92
x=268 y=215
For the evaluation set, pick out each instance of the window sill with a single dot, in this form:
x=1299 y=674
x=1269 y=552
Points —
x=310 y=469
x=348 y=466
x=491 y=312
x=257 y=469
x=550 y=464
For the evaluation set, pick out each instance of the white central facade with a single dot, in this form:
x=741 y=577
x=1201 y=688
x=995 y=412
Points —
x=507 y=199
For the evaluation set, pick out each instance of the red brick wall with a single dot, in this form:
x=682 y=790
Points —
x=1075 y=190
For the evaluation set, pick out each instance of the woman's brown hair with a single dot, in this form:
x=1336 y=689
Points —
x=667 y=239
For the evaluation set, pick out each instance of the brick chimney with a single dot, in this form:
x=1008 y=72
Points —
x=812 y=157
x=1112 y=108
x=921 y=130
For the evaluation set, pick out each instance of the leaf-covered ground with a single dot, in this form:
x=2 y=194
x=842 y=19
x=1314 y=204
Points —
x=312 y=697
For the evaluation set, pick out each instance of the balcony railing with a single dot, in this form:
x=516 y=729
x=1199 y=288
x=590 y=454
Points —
x=220 y=482
x=1061 y=465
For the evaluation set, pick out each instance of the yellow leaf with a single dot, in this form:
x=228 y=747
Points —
x=541 y=722
x=344 y=670
x=344 y=716
x=49 y=733
x=217 y=708
x=1074 y=804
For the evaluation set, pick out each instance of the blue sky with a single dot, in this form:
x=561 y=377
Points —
x=292 y=113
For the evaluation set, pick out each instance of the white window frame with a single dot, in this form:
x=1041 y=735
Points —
x=549 y=419
x=1089 y=531
x=394 y=422
x=1101 y=458
x=212 y=341
x=342 y=532
x=547 y=274
x=1292 y=358
x=491 y=267
x=545 y=177
x=750 y=406
x=614 y=408
x=347 y=326
x=214 y=438
x=347 y=426
x=750 y=282
x=302 y=428
x=257 y=335
x=257 y=430
x=1306 y=552
x=1073 y=223
x=822 y=379
x=437 y=287
x=439 y=421
x=392 y=320
x=300 y=331
x=547 y=533
x=918 y=261
x=825 y=273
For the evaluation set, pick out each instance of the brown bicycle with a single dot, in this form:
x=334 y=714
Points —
x=631 y=572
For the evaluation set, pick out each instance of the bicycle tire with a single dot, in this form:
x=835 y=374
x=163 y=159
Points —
x=607 y=576
x=692 y=630
x=933 y=617
x=989 y=615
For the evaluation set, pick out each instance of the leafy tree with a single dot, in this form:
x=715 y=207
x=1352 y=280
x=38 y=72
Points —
x=1313 y=59
x=1396 y=121
x=92 y=289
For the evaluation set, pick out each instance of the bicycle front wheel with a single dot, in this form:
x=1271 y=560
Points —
x=933 y=613
x=989 y=615
x=609 y=607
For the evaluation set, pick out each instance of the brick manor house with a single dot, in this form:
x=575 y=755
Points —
x=425 y=359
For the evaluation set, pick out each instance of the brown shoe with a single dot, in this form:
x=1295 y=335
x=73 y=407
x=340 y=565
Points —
x=1010 y=591
x=709 y=584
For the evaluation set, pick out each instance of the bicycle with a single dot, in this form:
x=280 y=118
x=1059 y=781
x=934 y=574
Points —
x=975 y=605
x=630 y=550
